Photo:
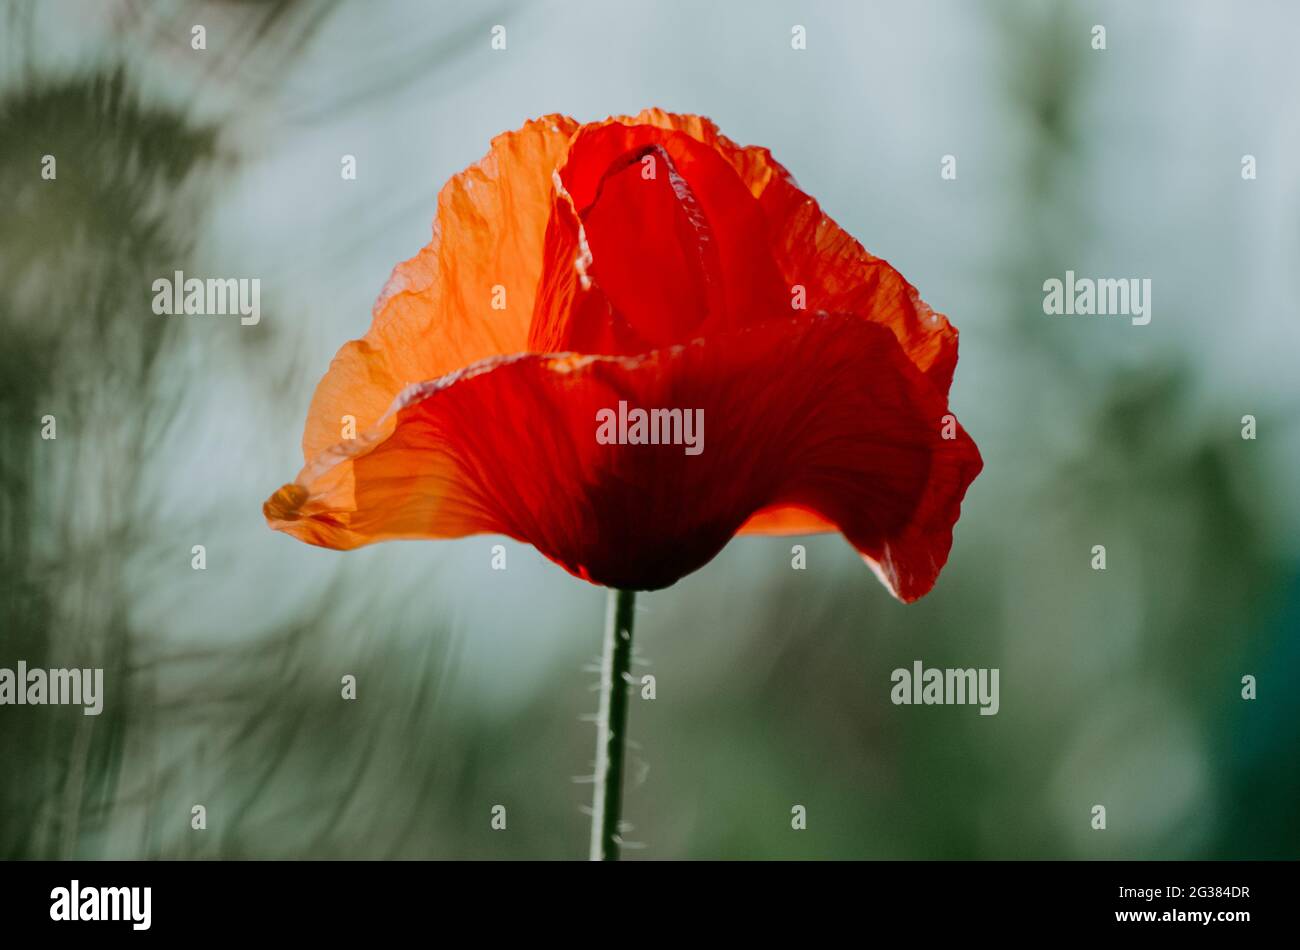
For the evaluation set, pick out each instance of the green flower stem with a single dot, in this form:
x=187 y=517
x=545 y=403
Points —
x=611 y=726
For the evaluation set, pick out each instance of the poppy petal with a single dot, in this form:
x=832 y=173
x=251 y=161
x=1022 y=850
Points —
x=466 y=296
x=811 y=250
x=818 y=413
x=665 y=234
x=781 y=225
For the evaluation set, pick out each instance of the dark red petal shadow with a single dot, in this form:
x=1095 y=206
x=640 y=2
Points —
x=824 y=413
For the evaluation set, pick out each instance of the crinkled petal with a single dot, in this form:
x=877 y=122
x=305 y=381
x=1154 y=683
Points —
x=665 y=234
x=818 y=413
x=466 y=296
x=810 y=249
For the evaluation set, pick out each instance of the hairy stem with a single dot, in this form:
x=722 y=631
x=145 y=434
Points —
x=611 y=726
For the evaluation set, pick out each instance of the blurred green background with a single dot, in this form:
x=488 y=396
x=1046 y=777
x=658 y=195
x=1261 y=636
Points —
x=1120 y=687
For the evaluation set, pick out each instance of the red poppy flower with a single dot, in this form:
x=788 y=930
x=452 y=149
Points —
x=647 y=263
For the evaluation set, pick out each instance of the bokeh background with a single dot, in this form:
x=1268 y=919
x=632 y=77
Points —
x=1120 y=687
